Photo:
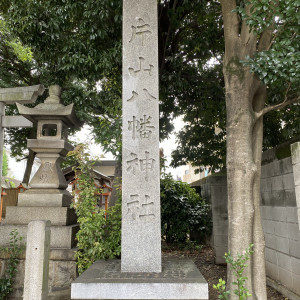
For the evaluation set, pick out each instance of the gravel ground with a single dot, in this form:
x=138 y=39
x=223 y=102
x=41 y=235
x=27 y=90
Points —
x=204 y=260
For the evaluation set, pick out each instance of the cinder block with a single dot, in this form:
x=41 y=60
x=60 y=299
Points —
x=297 y=195
x=271 y=256
x=277 y=198
x=295 y=265
x=285 y=277
x=266 y=198
x=296 y=169
x=291 y=214
x=267 y=212
x=270 y=241
x=264 y=187
x=269 y=226
x=263 y=172
x=290 y=198
x=221 y=240
x=24 y=215
x=287 y=165
x=276 y=169
x=293 y=231
x=220 y=219
x=278 y=214
x=281 y=229
x=288 y=181
x=282 y=244
x=267 y=184
x=219 y=255
x=272 y=271
x=220 y=230
x=284 y=261
x=294 y=248
x=295 y=150
x=296 y=284
x=277 y=183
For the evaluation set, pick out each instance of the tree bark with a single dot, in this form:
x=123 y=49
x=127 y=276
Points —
x=245 y=96
x=29 y=164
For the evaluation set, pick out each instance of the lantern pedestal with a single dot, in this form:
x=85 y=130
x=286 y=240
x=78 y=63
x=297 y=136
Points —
x=47 y=198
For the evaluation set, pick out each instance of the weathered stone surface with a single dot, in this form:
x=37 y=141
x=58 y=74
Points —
x=37 y=260
x=62 y=271
x=179 y=279
x=295 y=150
x=15 y=121
x=61 y=236
x=56 y=215
x=141 y=242
x=45 y=198
x=26 y=94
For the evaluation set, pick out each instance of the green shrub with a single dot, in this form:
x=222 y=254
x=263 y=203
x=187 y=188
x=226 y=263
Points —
x=13 y=251
x=182 y=211
x=238 y=266
x=98 y=237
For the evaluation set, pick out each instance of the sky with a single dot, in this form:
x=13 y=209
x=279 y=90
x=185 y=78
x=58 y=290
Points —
x=85 y=136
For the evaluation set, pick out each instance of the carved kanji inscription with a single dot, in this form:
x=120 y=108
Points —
x=142 y=128
x=133 y=163
x=140 y=209
x=142 y=68
x=140 y=31
x=147 y=164
x=146 y=96
x=46 y=171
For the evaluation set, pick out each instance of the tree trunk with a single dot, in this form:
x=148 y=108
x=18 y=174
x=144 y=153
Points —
x=29 y=164
x=259 y=273
x=241 y=170
x=245 y=97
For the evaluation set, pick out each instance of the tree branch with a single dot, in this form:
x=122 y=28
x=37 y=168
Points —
x=231 y=21
x=279 y=105
x=246 y=34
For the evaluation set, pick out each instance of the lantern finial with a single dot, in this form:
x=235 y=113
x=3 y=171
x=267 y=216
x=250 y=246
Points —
x=54 y=94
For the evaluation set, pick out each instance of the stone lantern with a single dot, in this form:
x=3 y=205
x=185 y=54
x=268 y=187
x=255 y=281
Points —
x=53 y=121
x=48 y=199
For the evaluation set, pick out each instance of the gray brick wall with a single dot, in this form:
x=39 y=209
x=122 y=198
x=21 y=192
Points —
x=280 y=218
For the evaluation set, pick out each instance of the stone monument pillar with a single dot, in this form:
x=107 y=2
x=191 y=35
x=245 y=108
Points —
x=141 y=274
x=141 y=228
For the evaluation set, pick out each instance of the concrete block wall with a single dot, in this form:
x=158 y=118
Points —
x=214 y=188
x=280 y=223
x=280 y=217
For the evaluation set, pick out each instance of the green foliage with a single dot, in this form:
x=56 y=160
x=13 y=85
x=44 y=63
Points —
x=182 y=211
x=4 y=163
x=280 y=63
x=238 y=266
x=23 y=53
x=13 y=251
x=98 y=237
x=78 y=45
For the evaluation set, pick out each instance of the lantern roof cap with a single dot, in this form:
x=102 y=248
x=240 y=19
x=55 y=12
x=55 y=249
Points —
x=51 y=109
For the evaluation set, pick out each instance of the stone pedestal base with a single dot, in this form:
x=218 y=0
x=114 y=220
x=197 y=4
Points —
x=179 y=279
x=62 y=271
x=61 y=236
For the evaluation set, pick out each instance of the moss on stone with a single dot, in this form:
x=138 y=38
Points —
x=283 y=152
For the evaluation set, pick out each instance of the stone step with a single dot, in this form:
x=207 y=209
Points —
x=179 y=279
x=56 y=198
x=58 y=216
x=61 y=236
